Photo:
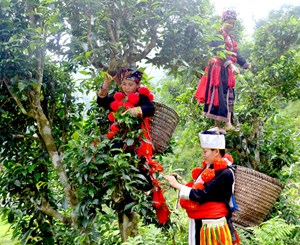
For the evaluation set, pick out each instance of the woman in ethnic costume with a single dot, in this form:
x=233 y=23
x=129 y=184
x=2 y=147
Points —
x=130 y=84
x=208 y=200
x=138 y=102
x=216 y=87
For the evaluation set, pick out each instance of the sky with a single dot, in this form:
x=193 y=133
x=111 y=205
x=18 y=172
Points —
x=250 y=11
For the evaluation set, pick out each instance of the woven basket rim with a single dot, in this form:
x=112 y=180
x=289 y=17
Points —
x=167 y=107
x=259 y=175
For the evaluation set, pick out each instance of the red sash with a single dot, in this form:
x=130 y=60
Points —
x=208 y=210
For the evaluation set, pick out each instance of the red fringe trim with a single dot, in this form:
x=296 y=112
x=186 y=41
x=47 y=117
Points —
x=201 y=90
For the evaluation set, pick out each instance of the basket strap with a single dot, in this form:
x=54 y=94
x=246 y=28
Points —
x=232 y=203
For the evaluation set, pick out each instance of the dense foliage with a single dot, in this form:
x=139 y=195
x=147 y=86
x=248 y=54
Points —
x=62 y=180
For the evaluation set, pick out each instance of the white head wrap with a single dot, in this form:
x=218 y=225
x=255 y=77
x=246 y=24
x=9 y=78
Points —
x=212 y=139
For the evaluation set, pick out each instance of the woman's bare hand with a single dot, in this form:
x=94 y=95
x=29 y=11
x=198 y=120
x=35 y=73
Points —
x=234 y=69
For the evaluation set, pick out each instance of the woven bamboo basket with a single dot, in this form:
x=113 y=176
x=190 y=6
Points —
x=255 y=194
x=163 y=124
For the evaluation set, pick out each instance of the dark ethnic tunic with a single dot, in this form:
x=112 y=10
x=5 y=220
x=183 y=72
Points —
x=216 y=87
x=144 y=152
x=148 y=110
x=219 y=189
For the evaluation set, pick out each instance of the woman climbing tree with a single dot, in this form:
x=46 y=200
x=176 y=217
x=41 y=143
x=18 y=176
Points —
x=136 y=102
x=216 y=87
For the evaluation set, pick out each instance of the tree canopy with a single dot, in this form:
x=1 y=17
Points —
x=60 y=179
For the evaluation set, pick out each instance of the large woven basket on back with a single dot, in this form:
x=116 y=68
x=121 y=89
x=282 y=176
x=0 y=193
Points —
x=163 y=124
x=255 y=194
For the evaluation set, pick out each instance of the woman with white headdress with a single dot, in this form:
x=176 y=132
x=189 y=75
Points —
x=208 y=199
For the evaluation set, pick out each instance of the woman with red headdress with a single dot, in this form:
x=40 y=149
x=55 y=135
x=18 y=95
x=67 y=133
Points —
x=216 y=87
x=130 y=81
x=136 y=101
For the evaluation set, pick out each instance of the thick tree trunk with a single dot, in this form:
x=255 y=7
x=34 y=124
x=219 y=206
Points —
x=45 y=131
x=128 y=225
